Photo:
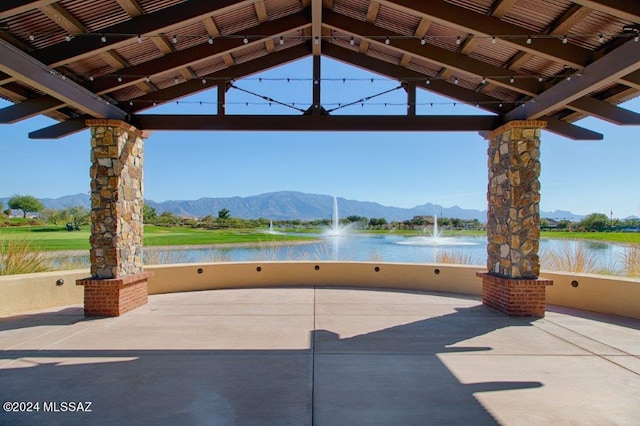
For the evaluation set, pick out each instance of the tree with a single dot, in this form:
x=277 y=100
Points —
x=149 y=214
x=26 y=203
x=224 y=214
x=595 y=222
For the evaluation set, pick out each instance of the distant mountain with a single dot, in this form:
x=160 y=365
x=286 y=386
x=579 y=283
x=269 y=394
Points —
x=286 y=205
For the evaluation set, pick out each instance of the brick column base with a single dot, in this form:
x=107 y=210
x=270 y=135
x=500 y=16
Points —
x=112 y=297
x=519 y=297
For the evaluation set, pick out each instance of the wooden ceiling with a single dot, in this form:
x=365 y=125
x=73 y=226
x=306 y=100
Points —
x=553 y=60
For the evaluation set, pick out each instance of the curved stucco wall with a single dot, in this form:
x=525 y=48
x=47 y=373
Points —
x=31 y=292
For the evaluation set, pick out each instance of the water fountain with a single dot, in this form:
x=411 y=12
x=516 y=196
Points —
x=435 y=239
x=335 y=230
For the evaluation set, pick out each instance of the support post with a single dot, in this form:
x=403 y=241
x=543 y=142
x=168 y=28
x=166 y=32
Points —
x=118 y=282
x=512 y=284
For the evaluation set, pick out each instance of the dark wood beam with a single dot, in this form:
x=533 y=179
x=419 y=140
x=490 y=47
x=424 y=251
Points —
x=62 y=129
x=316 y=106
x=27 y=109
x=14 y=7
x=28 y=70
x=235 y=72
x=571 y=131
x=316 y=26
x=622 y=61
x=194 y=55
x=317 y=123
x=442 y=57
x=605 y=111
x=394 y=71
x=164 y=20
x=469 y=22
x=628 y=10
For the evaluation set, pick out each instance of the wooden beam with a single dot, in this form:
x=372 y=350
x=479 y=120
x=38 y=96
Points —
x=132 y=7
x=194 y=55
x=620 y=62
x=28 y=70
x=63 y=18
x=10 y=8
x=151 y=24
x=571 y=131
x=316 y=26
x=628 y=10
x=452 y=91
x=316 y=106
x=468 y=22
x=316 y=123
x=261 y=11
x=372 y=12
x=605 y=111
x=501 y=7
x=244 y=69
x=445 y=58
x=28 y=109
x=62 y=129
x=392 y=71
x=113 y=59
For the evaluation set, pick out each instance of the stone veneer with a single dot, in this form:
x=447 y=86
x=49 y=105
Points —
x=513 y=223
x=117 y=276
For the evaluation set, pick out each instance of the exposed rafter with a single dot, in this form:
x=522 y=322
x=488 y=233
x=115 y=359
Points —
x=22 y=66
x=620 y=62
x=164 y=20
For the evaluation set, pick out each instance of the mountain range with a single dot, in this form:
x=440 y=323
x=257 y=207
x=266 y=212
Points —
x=287 y=205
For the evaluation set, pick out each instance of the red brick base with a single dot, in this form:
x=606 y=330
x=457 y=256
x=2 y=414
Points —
x=112 y=297
x=513 y=296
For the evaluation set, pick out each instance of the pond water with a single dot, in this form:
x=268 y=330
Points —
x=378 y=248
x=382 y=248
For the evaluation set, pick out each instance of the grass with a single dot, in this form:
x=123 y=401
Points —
x=457 y=257
x=570 y=258
x=631 y=260
x=614 y=237
x=54 y=238
x=21 y=257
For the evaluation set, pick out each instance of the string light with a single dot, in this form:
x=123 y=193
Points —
x=67 y=37
x=174 y=40
x=176 y=80
x=316 y=40
x=455 y=80
x=512 y=80
x=32 y=37
x=458 y=41
x=119 y=79
x=601 y=38
x=528 y=39
x=483 y=81
x=352 y=41
x=91 y=78
x=281 y=40
x=245 y=40
x=387 y=41
x=139 y=38
x=103 y=39
x=565 y=39
x=147 y=79
x=204 y=81
x=423 y=41
x=428 y=82
x=493 y=39
x=210 y=41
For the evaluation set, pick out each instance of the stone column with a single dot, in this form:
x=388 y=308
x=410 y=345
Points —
x=118 y=282
x=512 y=284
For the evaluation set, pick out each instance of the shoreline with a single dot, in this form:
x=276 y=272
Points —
x=55 y=253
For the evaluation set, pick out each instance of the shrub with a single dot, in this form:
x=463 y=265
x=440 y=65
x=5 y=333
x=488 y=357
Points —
x=570 y=258
x=21 y=257
x=457 y=257
x=631 y=260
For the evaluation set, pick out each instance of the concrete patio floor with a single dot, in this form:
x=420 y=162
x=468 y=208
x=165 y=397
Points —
x=324 y=356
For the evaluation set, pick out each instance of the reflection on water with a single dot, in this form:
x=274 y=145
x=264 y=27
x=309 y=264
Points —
x=370 y=248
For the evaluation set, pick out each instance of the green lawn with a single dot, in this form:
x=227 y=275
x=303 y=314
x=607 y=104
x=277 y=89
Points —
x=615 y=237
x=52 y=237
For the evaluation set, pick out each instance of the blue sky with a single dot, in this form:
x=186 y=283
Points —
x=395 y=169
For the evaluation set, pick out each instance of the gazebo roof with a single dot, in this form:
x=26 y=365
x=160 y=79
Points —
x=552 y=60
